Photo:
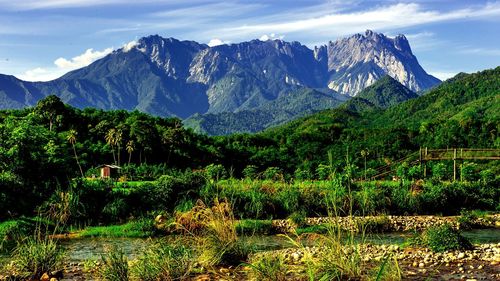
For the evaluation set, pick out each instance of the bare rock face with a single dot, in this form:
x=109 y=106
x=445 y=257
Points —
x=358 y=61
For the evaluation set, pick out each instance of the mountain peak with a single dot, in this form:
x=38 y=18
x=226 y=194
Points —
x=359 y=60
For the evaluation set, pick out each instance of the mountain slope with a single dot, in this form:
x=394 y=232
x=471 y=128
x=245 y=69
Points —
x=168 y=77
x=461 y=112
x=285 y=108
x=382 y=94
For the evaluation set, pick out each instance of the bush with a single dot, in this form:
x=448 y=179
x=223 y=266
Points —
x=324 y=171
x=162 y=261
x=250 y=172
x=13 y=231
x=298 y=218
x=34 y=257
x=215 y=172
x=273 y=173
x=445 y=238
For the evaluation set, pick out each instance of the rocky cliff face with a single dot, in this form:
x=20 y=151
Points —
x=358 y=61
x=168 y=77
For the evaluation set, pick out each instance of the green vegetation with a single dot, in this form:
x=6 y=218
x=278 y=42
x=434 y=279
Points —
x=114 y=266
x=36 y=256
x=133 y=229
x=442 y=238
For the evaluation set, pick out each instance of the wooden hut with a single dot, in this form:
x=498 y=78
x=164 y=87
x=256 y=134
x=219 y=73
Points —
x=109 y=171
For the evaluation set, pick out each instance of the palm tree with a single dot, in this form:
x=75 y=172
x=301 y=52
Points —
x=118 y=142
x=130 y=148
x=72 y=139
x=365 y=153
x=110 y=139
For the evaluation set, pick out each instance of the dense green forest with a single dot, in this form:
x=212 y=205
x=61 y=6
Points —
x=43 y=148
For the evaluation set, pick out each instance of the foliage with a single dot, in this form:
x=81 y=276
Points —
x=35 y=256
x=133 y=229
x=114 y=265
x=164 y=261
x=445 y=238
x=268 y=268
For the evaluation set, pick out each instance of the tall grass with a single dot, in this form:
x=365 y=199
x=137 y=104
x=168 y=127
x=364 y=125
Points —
x=114 y=266
x=34 y=257
x=164 y=261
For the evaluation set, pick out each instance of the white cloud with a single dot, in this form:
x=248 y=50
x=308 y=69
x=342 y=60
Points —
x=64 y=65
x=390 y=17
x=272 y=36
x=128 y=46
x=82 y=60
x=216 y=42
x=41 y=74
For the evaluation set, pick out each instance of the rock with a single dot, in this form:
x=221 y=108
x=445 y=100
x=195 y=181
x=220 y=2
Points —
x=461 y=255
x=295 y=256
x=45 y=277
x=421 y=265
x=54 y=279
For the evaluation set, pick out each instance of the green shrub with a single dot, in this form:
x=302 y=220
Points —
x=14 y=231
x=273 y=173
x=445 y=238
x=114 y=265
x=468 y=171
x=250 y=172
x=34 y=257
x=303 y=174
x=164 y=261
x=216 y=172
x=268 y=268
x=324 y=172
x=298 y=218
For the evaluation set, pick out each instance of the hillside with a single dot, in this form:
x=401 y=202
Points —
x=461 y=112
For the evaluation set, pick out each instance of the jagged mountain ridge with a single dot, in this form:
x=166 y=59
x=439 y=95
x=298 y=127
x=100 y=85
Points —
x=168 y=77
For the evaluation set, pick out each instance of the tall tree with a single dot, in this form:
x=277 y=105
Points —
x=49 y=108
x=110 y=140
x=130 y=148
x=71 y=138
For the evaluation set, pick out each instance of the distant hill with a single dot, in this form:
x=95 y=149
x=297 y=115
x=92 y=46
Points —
x=382 y=94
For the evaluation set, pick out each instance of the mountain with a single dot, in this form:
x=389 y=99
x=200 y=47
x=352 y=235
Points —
x=383 y=93
x=169 y=77
x=357 y=61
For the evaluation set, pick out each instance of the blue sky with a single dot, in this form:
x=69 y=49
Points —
x=41 y=40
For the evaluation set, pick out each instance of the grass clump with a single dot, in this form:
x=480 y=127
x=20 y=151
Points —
x=268 y=268
x=35 y=256
x=114 y=266
x=134 y=229
x=389 y=270
x=164 y=262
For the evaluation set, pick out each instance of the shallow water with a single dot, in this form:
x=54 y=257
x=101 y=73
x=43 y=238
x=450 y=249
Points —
x=81 y=249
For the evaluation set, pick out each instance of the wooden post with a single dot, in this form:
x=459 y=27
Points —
x=454 y=164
